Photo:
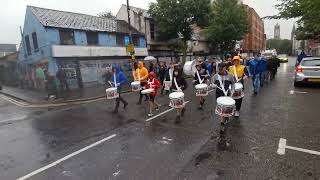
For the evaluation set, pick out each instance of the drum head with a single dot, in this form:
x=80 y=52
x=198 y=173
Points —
x=201 y=86
x=135 y=83
x=226 y=100
x=147 y=91
x=111 y=89
x=176 y=95
x=238 y=86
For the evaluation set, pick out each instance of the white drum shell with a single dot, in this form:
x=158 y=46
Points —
x=189 y=68
x=177 y=100
x=147 y=91
x=201 y=90
x=225 y=106
x=238 y=91
x=112 y=93
x=136 y=86
x=167 y=85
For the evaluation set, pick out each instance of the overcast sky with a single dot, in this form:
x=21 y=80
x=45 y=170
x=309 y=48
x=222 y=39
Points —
x=13 y=13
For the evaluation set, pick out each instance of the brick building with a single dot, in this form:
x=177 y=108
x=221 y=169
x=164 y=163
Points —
x=255 y=39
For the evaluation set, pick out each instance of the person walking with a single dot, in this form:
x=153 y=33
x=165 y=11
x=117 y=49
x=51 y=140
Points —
x=240 y=73
x=63 y=84
x=40 y=77
x=153 y=83
x=223 y=80
x=300 y=57
x=179 y=84
x=120 y=79
x=263 y=70
x=141 y=74
x=199 y=78
x=255 y=73
x=162 y=74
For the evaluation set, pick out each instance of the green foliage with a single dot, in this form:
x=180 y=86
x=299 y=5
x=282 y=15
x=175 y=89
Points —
x=107 y=14
x=307 y=12
x=228 y=24
x=283 y=46
x=176 y=16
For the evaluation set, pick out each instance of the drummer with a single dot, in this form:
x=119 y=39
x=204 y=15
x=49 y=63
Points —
x=153 y=83
x=223 y=80
x=203 y=78
x=120 y=79
x=240 y=73
x=141 y=74
x=182 y=85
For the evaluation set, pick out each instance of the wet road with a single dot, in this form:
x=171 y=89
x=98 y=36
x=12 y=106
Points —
x=135 y=149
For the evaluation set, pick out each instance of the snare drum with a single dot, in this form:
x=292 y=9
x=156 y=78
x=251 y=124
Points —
x=225 y=106
x=147 y=91
x=202 y=90
x=189 y=68
x=112 y=93
x=238 y=91
x=177 y=100
x=136 y=86
x=167 y=85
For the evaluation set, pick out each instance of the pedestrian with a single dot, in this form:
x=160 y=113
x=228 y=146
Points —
x=240 y=73
x=300 y=57
x=63 y=84
x=153 y=83
x=120 y=79
x=40 y=77
x=179 y=84
x=50 y=86
x=223 y=80
x=263 y=70
x=255 y=73
x=199 y=78
x=151 y=67
x=168 y=77
x=141 y=74
x=162 y=74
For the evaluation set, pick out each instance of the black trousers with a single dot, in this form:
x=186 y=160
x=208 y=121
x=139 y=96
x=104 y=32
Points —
x=119 y=99
x=238 y=104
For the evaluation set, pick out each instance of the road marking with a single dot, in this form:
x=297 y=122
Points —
x=283 y=146
x=297 y=92
x=66 y=158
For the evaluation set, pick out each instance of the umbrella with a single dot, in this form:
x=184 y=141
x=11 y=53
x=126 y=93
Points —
x=150 y=58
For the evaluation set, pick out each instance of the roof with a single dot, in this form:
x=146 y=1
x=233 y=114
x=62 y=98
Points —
x=8 y=48
x=139 y=10
x=70 y=20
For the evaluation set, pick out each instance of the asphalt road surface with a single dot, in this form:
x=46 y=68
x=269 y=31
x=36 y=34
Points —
x=89 y=142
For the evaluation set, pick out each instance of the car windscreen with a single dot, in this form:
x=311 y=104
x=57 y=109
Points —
x=313 y=62
x=282 y=56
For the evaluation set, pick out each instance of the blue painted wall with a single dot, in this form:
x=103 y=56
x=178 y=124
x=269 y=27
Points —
x=80 y=38
x=107 y=39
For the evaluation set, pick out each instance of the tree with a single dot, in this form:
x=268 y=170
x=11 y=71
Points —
x=282 y=46
x=174 y=19
x=107 y=14
x=307 y=12
x=228 y=24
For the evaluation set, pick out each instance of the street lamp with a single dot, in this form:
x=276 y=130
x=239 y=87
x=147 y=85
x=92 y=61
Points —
x=130 y=47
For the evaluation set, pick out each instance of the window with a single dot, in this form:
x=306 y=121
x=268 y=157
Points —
x=28 y=44
x=152 y=32
x=135 y=40
x=35 y=41
x=66 y=37
x=120 y=40
x=92 y=38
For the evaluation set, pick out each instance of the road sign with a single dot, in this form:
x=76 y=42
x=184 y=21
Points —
x=130 y=48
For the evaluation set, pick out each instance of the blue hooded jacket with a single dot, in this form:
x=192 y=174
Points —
x=262 y=65
x=254 y=66
x=120 y=77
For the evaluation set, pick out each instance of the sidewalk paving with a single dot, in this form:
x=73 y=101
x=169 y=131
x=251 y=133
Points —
x=40 y=97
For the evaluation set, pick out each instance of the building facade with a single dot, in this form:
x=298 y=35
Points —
x=255 y=39
x=6 y=49
x=277 y=31
x=82 y=45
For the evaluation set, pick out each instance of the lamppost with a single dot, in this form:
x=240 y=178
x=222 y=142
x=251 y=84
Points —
x=130 y=47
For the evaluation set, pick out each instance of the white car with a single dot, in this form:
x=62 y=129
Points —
x=308 y=71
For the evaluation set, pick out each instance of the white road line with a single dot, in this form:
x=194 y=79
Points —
x=283 y=146
x=66 y=157
x=297 y=92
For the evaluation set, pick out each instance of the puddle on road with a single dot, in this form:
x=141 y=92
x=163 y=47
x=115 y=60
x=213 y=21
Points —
x=201 y=157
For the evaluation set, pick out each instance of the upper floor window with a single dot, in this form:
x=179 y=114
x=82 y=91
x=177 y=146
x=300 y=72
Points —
x=66 y=37
x=28 y=46
x=152 y=31
x=136 y=40
x=120 y=40
x=92 y=38
x=35 y=41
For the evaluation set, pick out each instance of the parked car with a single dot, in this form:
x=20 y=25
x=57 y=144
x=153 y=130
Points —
x=308 y=71
x=283 y=58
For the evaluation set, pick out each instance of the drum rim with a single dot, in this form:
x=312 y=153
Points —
x=203 y=86
x=135 y=83
x=226 y=98
x=173 y=93
x=111 y=89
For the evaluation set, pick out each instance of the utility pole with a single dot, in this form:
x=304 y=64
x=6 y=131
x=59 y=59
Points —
x=130 y=47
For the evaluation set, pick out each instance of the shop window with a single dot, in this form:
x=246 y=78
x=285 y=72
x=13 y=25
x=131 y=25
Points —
x=120 y=40
x=66 y=37
x=152 y=31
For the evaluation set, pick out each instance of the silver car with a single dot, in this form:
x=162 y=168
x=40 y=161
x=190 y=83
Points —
x=308 y=71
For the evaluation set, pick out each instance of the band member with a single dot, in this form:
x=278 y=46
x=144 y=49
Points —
x=120 y=79
x=162 y=75
x=240 y=73
x=179 y=80
x=223 y=80
x=199 y=78
x=154 y=84
x=141 y=74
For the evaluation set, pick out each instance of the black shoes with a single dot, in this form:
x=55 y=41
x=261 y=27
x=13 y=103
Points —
x=177 y=120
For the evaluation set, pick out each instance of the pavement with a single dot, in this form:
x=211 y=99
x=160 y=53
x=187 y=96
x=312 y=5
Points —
x=87 y=141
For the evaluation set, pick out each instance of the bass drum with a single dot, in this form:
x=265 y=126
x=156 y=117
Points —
x=189 y=68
